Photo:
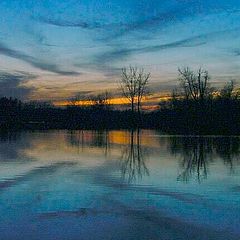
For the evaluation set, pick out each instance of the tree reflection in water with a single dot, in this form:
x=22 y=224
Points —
x=133 y=164
x=196 y=153
x=228 y=150
x=84 y=139
x=195 y=160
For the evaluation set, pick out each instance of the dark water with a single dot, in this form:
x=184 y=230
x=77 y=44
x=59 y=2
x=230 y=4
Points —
x=118 y=185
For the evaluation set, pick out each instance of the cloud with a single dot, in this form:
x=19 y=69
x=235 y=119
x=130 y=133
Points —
x=159 y=18
x=122 y=53
x=11 y=85
x=38 y=36
x=114 y=30
x=65 y=23
x=4 y=50
x=143 y=25
x=236 y=52
x=103 y=61
x=144 y=16
x=142 y=19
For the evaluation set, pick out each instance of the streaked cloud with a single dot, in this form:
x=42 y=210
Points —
x=66 y=23
x=236 y=52
x=4 y=50
x=12 y=85
x=115 y=55
x=88 y=42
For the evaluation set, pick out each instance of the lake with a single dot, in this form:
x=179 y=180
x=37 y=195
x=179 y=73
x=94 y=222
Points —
x=118 y=185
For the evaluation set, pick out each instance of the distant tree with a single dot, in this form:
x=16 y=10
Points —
x=101 y=101
x=195 y=85
x=228 y=91
x=174 y=98
x=143 y=79
x=134 y=85
x=10 y=104
x=38 y=105
x=75 y=101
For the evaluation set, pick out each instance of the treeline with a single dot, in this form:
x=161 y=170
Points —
x=178 y=116
x=198 y=108
x=194 y=108
x=15 y=114
x=213 y=116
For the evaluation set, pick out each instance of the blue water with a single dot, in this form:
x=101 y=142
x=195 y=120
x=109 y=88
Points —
x=118 y=185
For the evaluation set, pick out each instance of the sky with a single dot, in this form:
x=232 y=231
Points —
x=53 y=50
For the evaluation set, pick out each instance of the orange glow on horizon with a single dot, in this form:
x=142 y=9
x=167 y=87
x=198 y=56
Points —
x=113 y=101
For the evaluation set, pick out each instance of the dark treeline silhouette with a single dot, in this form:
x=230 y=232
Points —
x=17 y=115
x=196 y=108
x=215 y=116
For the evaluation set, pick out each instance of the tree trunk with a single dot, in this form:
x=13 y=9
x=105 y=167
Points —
x=139 y=112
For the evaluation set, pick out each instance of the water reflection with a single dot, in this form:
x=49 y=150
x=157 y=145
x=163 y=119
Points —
x=197 y=152
x=11 y=145
x=120 y=184
x=196 y=156
x=228 y=150
x=133 y=158
x=93 y=139
x=9 y=136
x=133 y=154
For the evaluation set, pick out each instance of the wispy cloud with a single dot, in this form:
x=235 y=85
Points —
x=4 y=50
x=97 y=38
x=114 y=30
x=38 y=36
x=181 y=11
x=103 y=61
x=12 y=84
x=66 y=23
x=236 y=52
x=122 y=53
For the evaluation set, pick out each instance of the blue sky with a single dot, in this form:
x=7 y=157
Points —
x=53 y=50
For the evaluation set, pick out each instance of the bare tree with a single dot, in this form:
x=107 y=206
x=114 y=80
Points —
x=73 y=102
x=101 y=100
x=133 y=85
x=195 y=85
x=143 y=79
x=76 y=100
x=228 y=90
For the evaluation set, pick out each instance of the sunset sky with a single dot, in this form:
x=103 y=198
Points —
x=56 y=49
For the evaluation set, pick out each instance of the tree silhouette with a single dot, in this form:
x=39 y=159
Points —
x=195 y=85
x=227 y=92
x=101 y=101
x=134 y=86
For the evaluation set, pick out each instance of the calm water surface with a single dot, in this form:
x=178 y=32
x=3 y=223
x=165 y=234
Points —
x=118 y=185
